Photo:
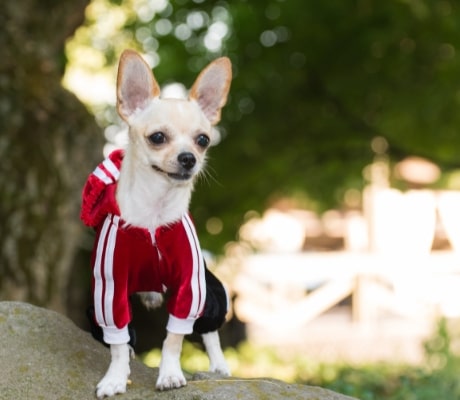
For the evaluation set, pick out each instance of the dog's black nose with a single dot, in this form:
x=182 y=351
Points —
x=187 y=160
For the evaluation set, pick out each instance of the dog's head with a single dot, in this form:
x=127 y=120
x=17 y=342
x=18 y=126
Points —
x=170 y=136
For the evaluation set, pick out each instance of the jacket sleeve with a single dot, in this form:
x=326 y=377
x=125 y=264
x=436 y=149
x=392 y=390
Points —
x=187 y=284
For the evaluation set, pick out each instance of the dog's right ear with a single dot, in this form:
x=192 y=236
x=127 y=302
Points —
x=136 y=85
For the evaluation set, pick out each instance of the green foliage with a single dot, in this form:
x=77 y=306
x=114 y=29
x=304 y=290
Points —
x=436 y=378
x=311 y=89
x=438 y=348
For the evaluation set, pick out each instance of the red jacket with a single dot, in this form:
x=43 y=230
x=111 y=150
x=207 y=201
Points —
x=129 y=259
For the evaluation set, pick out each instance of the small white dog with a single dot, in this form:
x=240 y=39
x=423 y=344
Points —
x=137 y=200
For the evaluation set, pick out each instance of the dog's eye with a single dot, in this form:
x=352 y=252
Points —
x=157 y=138
x=202 y=141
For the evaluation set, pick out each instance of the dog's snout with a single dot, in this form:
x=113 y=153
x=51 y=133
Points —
x=187 y=160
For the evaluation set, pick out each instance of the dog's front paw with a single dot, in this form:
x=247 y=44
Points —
x=111 y=385
x=116 y=377
x=171 y=380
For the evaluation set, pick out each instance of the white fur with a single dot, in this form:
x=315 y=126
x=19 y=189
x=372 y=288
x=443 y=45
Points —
x=116 y=377
x=170 y=375
x=149 y=196
x=151 y=300
x=146 y=198
x=217 y=361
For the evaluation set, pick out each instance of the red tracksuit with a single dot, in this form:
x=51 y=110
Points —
x=128 y=259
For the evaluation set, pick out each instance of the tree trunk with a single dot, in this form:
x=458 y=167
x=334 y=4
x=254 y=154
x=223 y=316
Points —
x=48 y=145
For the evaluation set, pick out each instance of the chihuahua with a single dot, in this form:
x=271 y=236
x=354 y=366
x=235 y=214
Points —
x=137 y=201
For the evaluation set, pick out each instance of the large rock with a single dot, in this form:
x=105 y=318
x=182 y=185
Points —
x=45 y=356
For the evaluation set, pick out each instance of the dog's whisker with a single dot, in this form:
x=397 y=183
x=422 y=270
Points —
x=207 y=175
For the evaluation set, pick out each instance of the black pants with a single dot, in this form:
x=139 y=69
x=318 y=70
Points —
x=215 y=307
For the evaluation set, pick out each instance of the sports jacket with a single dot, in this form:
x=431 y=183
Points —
x=129 y=259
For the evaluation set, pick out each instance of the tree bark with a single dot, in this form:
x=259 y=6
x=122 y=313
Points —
x=48 y=145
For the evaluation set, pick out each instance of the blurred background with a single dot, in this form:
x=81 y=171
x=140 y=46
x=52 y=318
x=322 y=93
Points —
x=330 y=207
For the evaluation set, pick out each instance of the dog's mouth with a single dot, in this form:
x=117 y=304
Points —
x=180 y=176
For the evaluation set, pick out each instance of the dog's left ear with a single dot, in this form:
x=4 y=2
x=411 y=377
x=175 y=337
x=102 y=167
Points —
x=211 y=88
x=136 y=85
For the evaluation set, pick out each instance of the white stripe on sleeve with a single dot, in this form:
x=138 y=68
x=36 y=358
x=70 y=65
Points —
x=97 y=272
x=108 y=272
x=197 y=283
x=104 y=287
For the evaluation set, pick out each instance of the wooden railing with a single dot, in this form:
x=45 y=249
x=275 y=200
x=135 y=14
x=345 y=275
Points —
x=297 y=288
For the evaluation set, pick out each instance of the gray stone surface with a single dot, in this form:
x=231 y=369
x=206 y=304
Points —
x=45 y=356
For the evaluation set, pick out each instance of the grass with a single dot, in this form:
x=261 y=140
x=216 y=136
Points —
x=437 y=378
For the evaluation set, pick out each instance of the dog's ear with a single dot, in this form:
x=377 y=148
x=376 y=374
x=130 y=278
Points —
x=211 y=88
x=136 y=84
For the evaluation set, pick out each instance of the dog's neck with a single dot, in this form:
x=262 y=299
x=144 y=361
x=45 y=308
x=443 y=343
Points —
x=147 y=199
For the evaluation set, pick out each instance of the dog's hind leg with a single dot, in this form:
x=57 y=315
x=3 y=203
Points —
x=217 y=361
x=116 y=377
x=151 y=300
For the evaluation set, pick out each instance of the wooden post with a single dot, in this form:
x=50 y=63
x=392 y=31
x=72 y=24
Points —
x=363 y=304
